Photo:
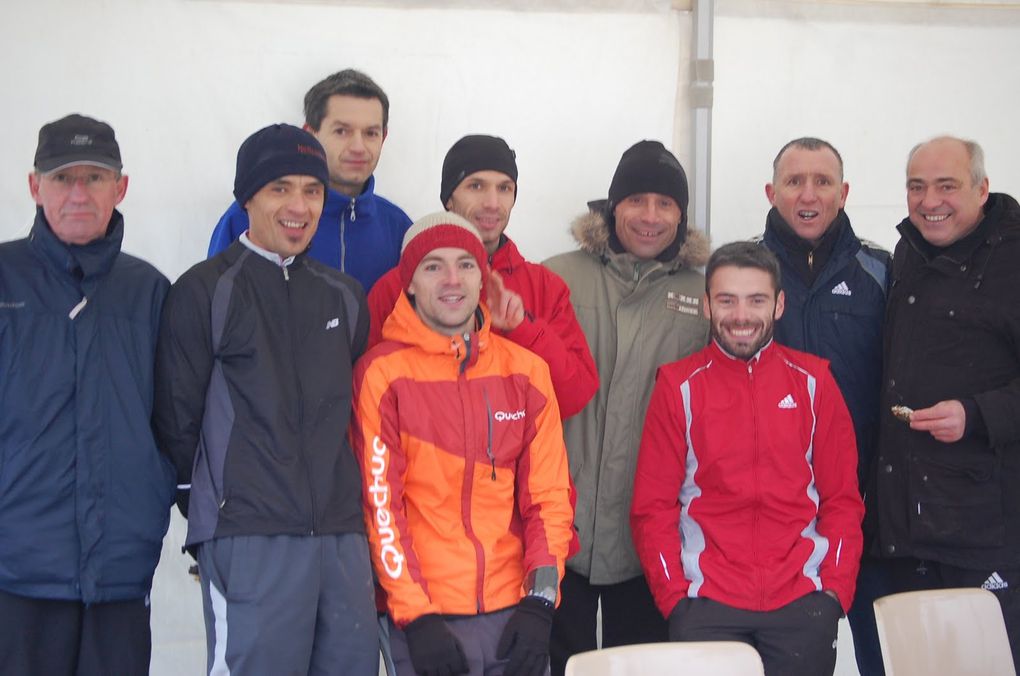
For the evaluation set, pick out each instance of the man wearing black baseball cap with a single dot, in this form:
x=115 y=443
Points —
x=253 y=396
x=84 y=494
x=637 y=291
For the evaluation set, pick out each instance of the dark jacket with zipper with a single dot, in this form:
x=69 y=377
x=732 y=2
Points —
x=85 y=495
x=253 y=395
x=835 y=306
x=953 y=332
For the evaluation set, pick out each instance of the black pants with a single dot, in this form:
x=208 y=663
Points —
x=909 y=574
x=41 y=637
x=799 y=638
x=872 y=582
x=629 y=616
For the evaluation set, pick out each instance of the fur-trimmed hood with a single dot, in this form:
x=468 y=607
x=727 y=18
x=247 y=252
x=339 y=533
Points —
x=591 y=231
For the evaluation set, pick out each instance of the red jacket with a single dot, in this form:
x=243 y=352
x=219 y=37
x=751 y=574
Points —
x=550 y=328
x=746 y=484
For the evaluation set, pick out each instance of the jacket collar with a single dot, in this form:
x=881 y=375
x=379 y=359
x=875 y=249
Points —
x=271 y=256
x=725 y=359
x=362 y=206
x=837 y=244
x=405 y=326
x=1001 y=220
x=507 y=257
x=90 y=260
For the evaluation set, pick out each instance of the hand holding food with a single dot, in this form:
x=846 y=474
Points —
x=903 y=413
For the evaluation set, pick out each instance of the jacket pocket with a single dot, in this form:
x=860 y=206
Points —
x=958 y=503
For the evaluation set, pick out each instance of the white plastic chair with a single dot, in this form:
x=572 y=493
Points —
x=948 y=632
x=695 y=658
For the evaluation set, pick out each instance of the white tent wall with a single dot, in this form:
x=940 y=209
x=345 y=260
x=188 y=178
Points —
x=185 y=81
x=873 y=78
x=569 y=83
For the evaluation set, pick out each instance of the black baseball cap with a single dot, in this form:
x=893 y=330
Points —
x=76 y=139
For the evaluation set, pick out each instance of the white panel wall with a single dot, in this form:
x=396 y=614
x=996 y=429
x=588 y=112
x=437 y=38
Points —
x=872 y=80
x=185 y=81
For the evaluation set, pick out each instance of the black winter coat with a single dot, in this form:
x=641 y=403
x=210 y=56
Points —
x=953 y=332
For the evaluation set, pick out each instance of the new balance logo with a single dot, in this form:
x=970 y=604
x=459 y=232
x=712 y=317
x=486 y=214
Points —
x=788 y=402
x=993 y=582
x=333 y=323
x=841 y=289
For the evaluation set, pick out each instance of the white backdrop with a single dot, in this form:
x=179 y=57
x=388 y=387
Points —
x=872 y=79
x=185 y=81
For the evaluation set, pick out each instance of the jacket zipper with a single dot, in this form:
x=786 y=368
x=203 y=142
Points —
x=301 y=408
x=343 y=245
x=754 y=471
x=488 y=439
x=469 y=471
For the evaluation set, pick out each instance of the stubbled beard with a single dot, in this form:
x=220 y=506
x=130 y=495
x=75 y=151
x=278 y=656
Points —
x=766 y=336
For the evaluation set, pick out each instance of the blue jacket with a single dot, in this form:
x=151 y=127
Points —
x=839 y=317
x=360 y=236
x=84 y=493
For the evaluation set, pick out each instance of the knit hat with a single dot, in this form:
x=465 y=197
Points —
x=435 y=231
x=275 y=151
x=476 y=153
x=648 y=167
x=76 y=139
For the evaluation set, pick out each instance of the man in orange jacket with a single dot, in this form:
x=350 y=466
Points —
x=464 y=466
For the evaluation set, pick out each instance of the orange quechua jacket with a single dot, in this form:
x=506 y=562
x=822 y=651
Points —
x=466 y=485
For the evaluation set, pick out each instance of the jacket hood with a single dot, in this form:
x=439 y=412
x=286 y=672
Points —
x=591 y=230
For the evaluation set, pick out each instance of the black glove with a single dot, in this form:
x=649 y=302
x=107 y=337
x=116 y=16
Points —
x=525 y=639
x=435 y=651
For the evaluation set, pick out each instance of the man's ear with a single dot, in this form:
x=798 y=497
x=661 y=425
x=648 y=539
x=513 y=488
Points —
x=122 y=186
x=33 y=186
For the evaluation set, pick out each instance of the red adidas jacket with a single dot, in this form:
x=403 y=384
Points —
x=746 y=484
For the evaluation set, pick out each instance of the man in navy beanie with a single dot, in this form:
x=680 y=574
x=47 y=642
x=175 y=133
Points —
x=348 y=113
x=253 y=396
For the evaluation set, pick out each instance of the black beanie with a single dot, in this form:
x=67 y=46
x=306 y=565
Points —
x=476 y=153
x=648 y=167
x=278 y=150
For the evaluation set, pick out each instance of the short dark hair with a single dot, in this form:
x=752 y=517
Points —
x=347 y=82
x=744 y=255
x=807 y=143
